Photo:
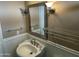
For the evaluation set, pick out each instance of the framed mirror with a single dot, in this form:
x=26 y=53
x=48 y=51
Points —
x=38 y=19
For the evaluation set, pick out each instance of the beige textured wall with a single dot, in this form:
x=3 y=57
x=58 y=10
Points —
x=11 y=17
x=65 y=21
x=66 y=17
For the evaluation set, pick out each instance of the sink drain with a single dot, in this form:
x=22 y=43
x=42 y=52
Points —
x=31 y=52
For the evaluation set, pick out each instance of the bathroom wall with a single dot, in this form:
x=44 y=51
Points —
x=65 y=20
x=65 y=17
x=11 y=17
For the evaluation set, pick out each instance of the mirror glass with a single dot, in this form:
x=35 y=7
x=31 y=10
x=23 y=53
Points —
x=37 y=17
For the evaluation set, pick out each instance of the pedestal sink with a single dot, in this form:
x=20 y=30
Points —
x=27 y=49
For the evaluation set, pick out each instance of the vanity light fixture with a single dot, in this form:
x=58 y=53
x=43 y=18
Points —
x=50 y=8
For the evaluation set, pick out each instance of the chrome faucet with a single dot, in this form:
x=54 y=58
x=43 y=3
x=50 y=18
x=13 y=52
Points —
x=33 y=41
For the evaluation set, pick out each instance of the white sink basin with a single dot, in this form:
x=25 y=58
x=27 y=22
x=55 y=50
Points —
x=26 y=49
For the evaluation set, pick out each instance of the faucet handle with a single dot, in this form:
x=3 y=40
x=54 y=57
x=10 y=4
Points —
x=33 y=41
x=37 y=44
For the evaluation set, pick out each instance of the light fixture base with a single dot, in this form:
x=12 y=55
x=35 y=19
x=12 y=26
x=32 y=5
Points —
x=52 y=11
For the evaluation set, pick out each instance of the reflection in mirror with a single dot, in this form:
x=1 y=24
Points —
x=37 y=19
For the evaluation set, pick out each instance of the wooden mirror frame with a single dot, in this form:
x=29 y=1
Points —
x=45 y=36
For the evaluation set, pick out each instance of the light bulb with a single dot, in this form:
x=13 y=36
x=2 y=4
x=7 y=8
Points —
x=49 y=4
